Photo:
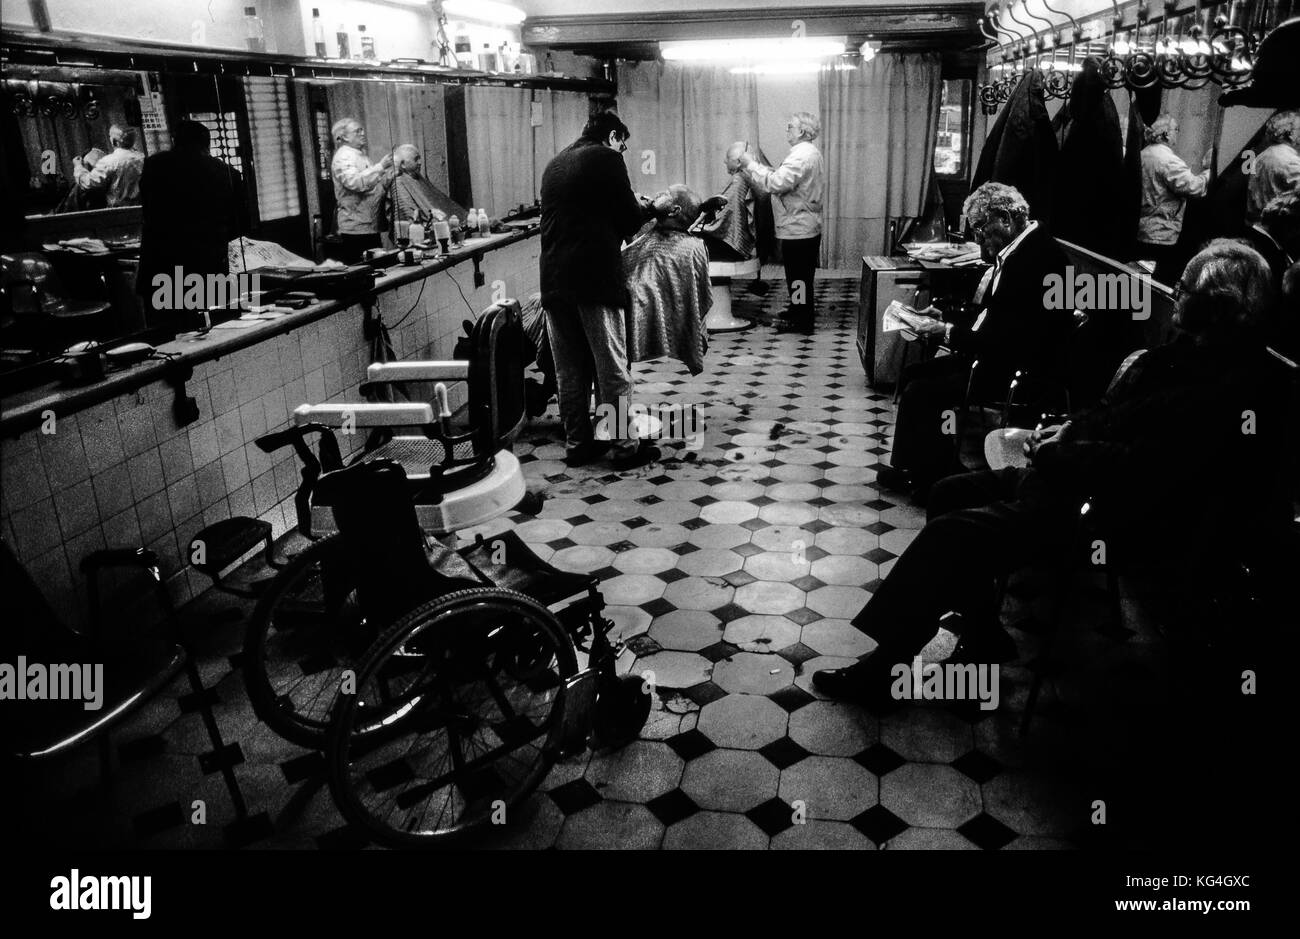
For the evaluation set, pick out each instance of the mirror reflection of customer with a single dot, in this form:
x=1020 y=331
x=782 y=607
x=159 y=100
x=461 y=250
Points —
x=588 y=209
x=797 y=187
x=117 y=174
x=1167 y=184
x=413 y=198
x=359 y=190
x=1277 y=168
x=193 y=205
x=77 y=198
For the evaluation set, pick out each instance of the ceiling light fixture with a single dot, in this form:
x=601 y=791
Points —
x=752 y=51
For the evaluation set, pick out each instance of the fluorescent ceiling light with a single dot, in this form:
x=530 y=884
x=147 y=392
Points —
x=485 y=11
x=752 y=50
x=778 y=68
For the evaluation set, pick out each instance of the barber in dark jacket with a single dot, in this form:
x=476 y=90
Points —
x=588 y=211
x=1138 y=459
x=193 y=205
x=1015 y=332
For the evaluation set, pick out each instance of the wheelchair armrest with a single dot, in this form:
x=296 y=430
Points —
x=364 y=414
x=426 y=370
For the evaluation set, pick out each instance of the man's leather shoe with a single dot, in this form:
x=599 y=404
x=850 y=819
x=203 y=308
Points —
x=859 y=684
x=587 y=452
x=645 y=452
x=894 y=479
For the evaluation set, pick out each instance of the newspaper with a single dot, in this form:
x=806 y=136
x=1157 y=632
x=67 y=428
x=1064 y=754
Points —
x=899 y=317
x=247 y=254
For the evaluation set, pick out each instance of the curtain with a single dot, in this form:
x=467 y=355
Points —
x=499 y=126
x=564 y=114
x=878 y=131
x=682 y=119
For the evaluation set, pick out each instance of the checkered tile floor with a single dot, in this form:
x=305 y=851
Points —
x=731 y=573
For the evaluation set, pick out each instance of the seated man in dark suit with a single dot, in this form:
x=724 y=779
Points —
x=1214 y=389
x=1014 y=332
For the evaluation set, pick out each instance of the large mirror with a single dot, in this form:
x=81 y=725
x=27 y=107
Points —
x=76 y=140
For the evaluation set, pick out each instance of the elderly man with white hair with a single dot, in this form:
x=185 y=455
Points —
x=797 y=187
x=1277 y=168
x=116 y=174
x=359 y=189
x=1167 y=184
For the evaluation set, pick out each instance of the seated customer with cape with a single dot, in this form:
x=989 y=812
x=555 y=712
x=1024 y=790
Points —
x=668 y=280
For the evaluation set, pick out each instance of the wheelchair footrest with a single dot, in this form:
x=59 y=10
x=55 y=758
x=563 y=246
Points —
x=226 y=542
x=507 y=562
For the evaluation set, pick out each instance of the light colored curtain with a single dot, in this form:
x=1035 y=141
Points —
x=878 y=132
x=395 y=113
x=682 y=119
x=499 y=127
x=563 y=115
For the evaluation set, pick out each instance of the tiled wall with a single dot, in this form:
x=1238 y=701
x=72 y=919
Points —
x=122 y=474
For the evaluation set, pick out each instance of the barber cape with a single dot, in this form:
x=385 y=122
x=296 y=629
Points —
x=733 y=225
x=668 y=280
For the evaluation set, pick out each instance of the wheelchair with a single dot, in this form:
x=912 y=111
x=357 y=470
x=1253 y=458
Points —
x=442 y=682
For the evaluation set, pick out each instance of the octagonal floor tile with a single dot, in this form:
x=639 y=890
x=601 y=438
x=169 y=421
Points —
x=847 y=541
x=539 y=530
x=833 y=728
x=730 y=780
x=715 y=831
x=837 y=637
x=818 y=835
x=583 y=558
x=845 y=570
x=608 y=825
x=743 y=721
x=686 y=630
x=719 y=536
x=760 y=633
x=698 y=593
x=765 y=596
x=728 y=513
x=675 y=669
x=637 y=772
x=753 y=673
x=644 y=560
x=829 y=787
x=599 y=533
x=788 y=513
x=632 y=589
x=926 y=734
x=778 y=566
x=838 y=602
x=709 y=562
x=929 y=795
x=823 y=662
x=659 y=536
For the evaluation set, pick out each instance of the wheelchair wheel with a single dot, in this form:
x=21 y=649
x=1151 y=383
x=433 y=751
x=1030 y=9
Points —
x=306 y=631
x=467 y=690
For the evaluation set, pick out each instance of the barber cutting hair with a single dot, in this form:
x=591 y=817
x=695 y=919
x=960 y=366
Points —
x=359 y=190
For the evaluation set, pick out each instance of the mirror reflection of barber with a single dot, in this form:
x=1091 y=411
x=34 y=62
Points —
x=359 y=190
x=115 y=174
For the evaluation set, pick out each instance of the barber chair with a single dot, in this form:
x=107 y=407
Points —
x=720 y=318
x=43 y=310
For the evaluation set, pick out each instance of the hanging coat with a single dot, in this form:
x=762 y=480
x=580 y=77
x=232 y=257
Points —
x=1020 y=150
x=1093 y=188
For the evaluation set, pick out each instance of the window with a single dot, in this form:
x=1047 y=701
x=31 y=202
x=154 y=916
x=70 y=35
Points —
x=270 y=128
x=954 y=119
x=224 y=128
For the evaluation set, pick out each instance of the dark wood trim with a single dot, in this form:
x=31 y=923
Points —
x=892 y=21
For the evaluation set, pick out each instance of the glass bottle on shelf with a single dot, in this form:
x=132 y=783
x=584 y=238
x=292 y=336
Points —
x=344 y=41
x=367 y=44
x=487 y=59
x=318 y=34
x=484 y=224
x=254 y=34
x=464 y=50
